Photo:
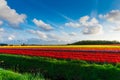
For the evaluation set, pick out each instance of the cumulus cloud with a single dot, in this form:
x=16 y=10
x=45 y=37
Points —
x=80 y=23
x=1 y=30
x=41 y=35
x=50 y=36
x=1 y=33
x=44 y=36
x=73 y=24
x=11 y=37
x=55 y=37
x=42 y=25
x=113 y=16
x=95 y=29
x=1 y=22
x=83 y=19
x=90 y=25
x=10 y=15
x=31 y=31
x=72 y=34
x=116 y=29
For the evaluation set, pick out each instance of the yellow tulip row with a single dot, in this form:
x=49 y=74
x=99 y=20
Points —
x=67 y=46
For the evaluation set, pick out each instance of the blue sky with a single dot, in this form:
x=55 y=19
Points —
x=58 y=21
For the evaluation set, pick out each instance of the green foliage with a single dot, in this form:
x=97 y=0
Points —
x=94 y=42
x=9 y=75
x=118 y=65
x=58 y=69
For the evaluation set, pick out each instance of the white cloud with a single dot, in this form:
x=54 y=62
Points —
x=94 y=29
x=1 y=22
x=10 y=15
x=113 y=16
x=1 y=38
x=55 y=37
x=84 y=19
x=80 y=23
x=1 y=30
x=40 y=34
x=11 y=37
x=31 y=31
x=73 y=24
x=51 y=36
x=73 y=34
x=91 y=26
x=116 y=29
x=42 y=25
x=1 y=34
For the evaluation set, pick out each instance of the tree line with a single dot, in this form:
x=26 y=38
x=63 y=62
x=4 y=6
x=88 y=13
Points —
x=95 y=42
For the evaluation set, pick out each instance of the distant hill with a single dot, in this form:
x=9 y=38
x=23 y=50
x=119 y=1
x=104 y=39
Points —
x=95 y=42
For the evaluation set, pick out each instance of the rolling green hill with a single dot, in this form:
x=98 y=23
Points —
x=95 y=42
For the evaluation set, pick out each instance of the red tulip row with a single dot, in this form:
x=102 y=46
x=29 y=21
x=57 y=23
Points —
x=93 y=55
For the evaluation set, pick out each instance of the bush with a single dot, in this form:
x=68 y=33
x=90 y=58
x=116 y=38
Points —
x=9 y=75
x=60 y=69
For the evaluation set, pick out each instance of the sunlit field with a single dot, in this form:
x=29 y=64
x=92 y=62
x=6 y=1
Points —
x=59 y=39
x=64 y=46
x=95 y=53
x=63 y=62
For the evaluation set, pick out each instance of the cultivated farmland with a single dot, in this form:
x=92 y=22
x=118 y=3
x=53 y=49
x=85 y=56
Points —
x=86 y=62
x=94 y=53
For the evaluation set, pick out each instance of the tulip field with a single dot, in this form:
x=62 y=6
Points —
x=95 y=53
